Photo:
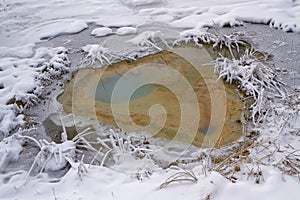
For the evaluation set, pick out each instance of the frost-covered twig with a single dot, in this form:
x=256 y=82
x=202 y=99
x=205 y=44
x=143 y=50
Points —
x=81 y=168
x=104 y=157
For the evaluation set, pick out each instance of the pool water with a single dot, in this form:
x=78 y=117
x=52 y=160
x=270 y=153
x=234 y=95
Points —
x=90 y=93
x=105 y=89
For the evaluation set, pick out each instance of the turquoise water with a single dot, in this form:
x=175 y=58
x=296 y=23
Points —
x=105 y=89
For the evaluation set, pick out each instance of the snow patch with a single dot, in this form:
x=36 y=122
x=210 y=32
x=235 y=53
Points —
x=52 y=29
x=126 y=31
x=21 y=51
x=100 y=32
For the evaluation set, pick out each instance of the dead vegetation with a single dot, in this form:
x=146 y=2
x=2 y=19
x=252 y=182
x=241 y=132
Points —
x=180 y=177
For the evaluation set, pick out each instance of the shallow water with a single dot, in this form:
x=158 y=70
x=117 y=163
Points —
x=105 y=89
x=90 y=93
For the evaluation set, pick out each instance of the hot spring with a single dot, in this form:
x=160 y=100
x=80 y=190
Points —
x=92 y=93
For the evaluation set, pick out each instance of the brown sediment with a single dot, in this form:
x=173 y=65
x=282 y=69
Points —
x=79 y=98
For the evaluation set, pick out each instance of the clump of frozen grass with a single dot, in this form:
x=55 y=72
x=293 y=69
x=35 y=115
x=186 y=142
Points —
x=57 y=65
x=55 y=156
x=149 y=39
x=99 y=53
x=254 y=78
x=196 y=36
x=120 y=144
x=202 y=36
x=130 y=154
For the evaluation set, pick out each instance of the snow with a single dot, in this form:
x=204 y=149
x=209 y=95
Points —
x=126 y=30
x=26 y=67
x=21 y=51
x=275 y=187
x=111 y=184
x=54 y=28
x=100 y=32
x=10 y=148
x=140 y=2
x=21 y=80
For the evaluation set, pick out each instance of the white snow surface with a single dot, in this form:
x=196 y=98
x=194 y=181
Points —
x=24 y=68
x=105 y=183
x=10 y=148
x=100 y=32
x=126 y=30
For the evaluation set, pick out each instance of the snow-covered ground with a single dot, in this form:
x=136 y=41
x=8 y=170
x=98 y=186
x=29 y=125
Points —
x=28 y=65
